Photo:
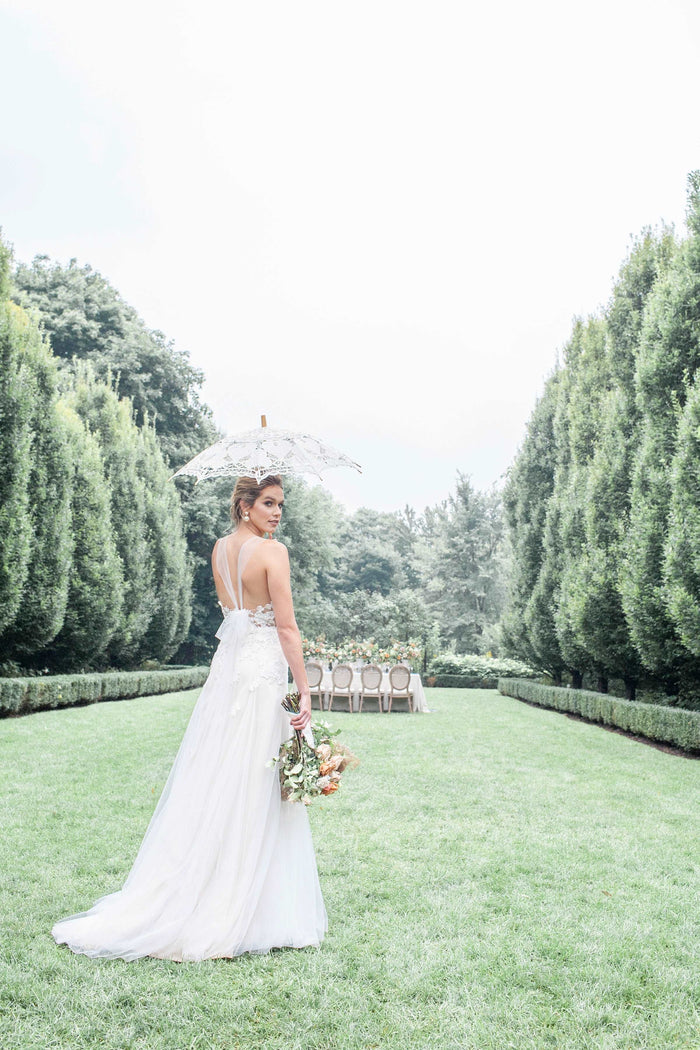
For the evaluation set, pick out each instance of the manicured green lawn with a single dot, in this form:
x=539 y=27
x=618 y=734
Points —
x=496 y=876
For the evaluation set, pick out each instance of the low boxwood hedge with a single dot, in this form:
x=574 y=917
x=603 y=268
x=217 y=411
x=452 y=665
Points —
x=21 y=695
x=463 y=681
x=667 y=725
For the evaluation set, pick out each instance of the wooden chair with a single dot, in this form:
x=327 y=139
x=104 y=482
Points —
x=400 y=686
x=314 y=674
x=341 y=684
x=371 y=677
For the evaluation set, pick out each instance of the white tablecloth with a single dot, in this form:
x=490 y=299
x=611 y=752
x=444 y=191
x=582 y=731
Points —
x=416 y=686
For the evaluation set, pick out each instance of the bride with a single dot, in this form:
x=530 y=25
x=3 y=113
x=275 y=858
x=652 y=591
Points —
x=226 y=866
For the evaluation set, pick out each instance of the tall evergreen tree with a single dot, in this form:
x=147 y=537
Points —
x=563 y=526
x=682 y=547
x=17 y=333
x=206 y=518
x=45 y=594
x=96 y=586
x=464 y=585
x=669 y=352
x=596 y=604
x=168 y=554
x=109 y=418
x=526 y=498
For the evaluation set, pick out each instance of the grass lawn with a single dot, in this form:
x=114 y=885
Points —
x=496 y=876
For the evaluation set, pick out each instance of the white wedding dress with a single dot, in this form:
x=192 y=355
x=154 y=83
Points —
x=225 y=866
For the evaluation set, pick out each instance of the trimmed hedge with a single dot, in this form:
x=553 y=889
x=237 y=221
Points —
x=464 y=681
x=668 y=725
x=21 y=695
x=471 y=665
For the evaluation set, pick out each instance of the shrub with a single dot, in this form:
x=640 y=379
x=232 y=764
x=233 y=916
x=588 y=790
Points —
x=668 y=725
x=482 y=667
x=462 y=681
x=21 y=695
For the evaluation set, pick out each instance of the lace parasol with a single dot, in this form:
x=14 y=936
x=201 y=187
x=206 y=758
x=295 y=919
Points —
x=262 y=451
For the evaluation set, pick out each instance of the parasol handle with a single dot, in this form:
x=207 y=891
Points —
x=263 y=421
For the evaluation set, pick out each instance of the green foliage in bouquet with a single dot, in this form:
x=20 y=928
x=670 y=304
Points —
x=306 y=772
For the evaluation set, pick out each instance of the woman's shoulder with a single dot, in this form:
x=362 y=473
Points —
x=276 y=549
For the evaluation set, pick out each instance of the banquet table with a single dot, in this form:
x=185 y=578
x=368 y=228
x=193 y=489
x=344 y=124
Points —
x=416 y=687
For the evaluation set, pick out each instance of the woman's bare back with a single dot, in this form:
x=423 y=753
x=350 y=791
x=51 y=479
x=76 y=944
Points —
x=248 y=553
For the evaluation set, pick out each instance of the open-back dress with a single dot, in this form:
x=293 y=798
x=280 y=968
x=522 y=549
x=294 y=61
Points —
x=225 y=866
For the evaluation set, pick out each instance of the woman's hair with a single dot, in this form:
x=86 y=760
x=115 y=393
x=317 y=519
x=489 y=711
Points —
x=247 y=491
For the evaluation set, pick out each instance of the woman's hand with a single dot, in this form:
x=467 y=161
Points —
x=301 y=720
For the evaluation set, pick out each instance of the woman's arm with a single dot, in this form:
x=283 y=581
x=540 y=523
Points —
x=278 y=582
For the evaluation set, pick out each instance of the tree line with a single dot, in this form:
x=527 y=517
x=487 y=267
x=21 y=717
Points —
x=94 y=568
x=104 y=562
x=603 y=500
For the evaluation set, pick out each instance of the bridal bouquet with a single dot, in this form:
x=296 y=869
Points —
x=307 y=771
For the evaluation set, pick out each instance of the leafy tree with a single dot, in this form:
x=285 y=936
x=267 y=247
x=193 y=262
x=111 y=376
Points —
x=369 y=559
x=86 y=319
x=463 y=574
x=5 y=264
x=309 y=529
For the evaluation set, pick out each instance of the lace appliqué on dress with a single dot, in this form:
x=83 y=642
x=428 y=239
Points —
x=259 y=657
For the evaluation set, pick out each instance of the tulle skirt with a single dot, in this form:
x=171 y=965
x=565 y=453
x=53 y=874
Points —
x=225 y=866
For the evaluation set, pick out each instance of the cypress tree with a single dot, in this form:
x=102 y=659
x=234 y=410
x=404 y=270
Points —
x=525 y=499
x=17 y=331
x=669 y=353
x=96 y=582
x=206 y=516
x=110 y=420
x=682 y=548
x=169 y=558
x=596 y=606
x=43 y=604
x=579 y=422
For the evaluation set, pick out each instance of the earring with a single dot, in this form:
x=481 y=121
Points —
x=246 y=516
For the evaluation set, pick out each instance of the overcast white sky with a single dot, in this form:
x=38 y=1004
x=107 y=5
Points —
x=373 y=221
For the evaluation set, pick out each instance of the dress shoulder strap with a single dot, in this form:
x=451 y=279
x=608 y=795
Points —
x=224 y=571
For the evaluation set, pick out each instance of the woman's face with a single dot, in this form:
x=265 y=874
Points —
x=266 y=512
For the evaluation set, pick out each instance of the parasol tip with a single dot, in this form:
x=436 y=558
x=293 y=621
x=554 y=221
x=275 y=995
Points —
x=263 y=421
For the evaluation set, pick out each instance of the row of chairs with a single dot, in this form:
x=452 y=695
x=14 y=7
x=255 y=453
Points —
x=371 y=685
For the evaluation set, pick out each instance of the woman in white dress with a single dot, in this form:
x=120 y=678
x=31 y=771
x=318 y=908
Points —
x=226 y=866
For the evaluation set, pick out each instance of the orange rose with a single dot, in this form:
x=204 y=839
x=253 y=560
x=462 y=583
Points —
x=325 y=768
x=330 y=788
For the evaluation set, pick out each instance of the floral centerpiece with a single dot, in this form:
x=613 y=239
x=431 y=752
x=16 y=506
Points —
x=315 y=649
x=358 y=651
x=306 y=772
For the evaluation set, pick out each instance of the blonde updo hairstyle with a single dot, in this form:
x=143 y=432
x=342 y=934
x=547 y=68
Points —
x=246 y=492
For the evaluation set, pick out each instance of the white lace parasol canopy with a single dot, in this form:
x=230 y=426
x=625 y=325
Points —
x=263 y=451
